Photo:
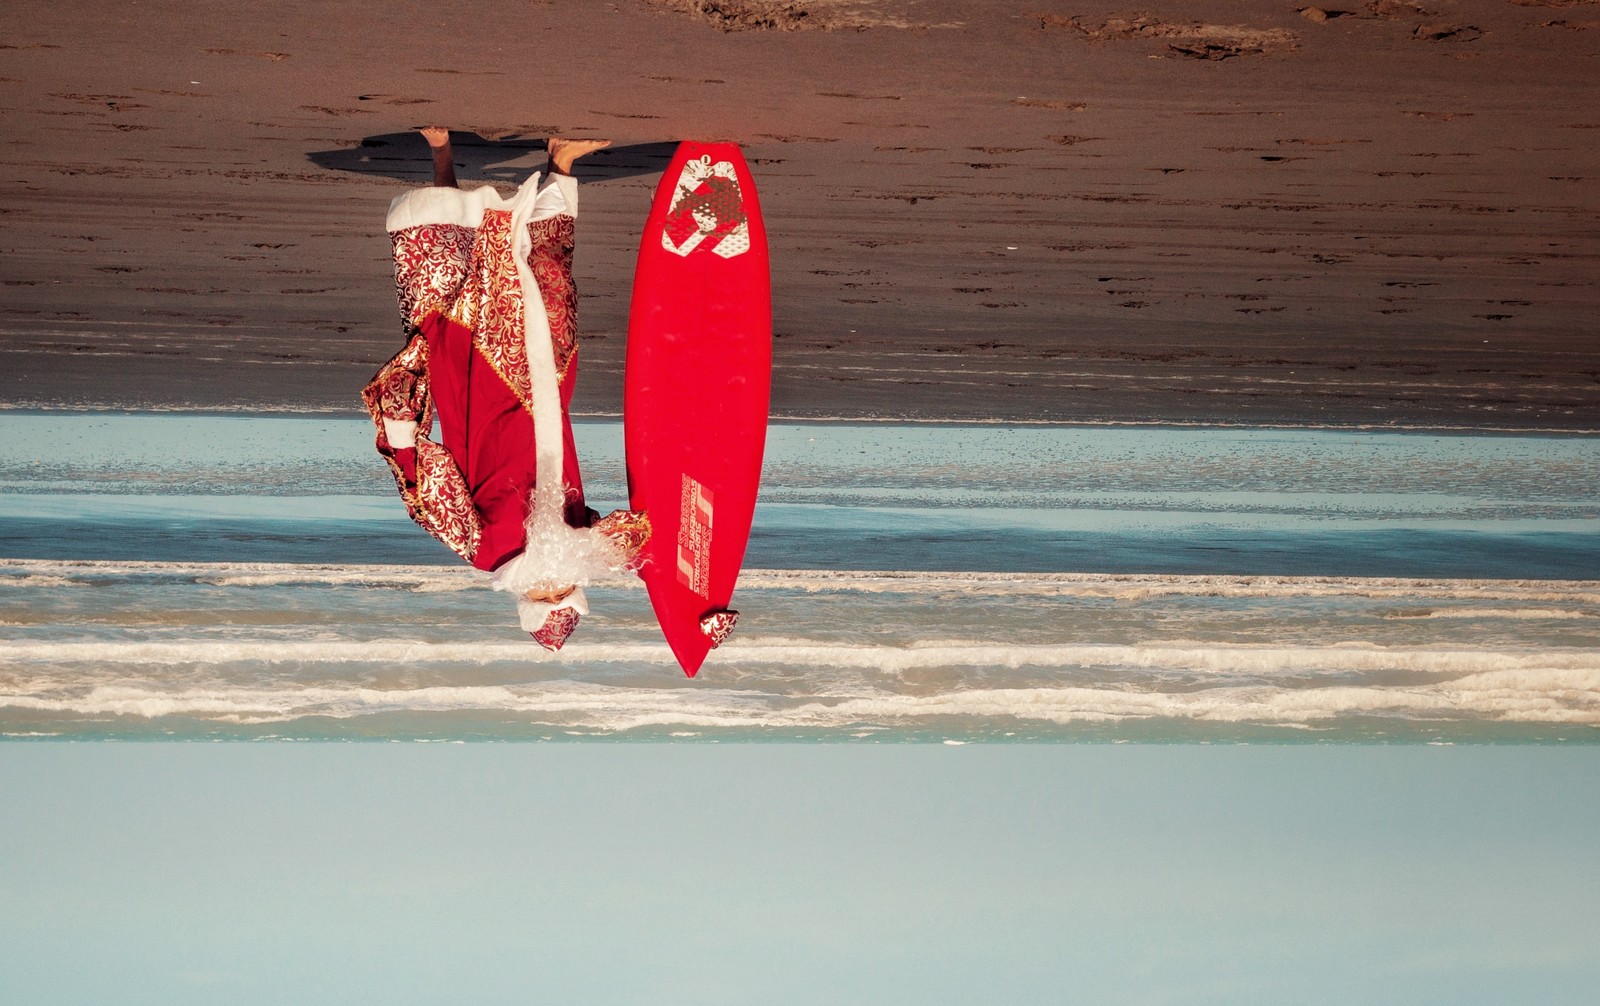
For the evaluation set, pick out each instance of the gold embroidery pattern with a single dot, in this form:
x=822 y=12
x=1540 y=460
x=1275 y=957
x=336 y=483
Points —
x=443 y=503
x=718 y=626
x=440 y=502
x=629 y=531
x=395 y=380
x=399 y=390
x=430 y=263
x=551 y=261
x=558 y=625
x=490 y=305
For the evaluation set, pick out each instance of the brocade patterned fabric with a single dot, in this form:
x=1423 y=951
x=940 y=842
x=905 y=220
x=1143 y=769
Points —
x=489 y=304
x=468 y=275
x=629 y=531
x=430 y=263
x=438 y=500
x=558 y=625
x=551 y=262
x=443 y=503
x=718 y=626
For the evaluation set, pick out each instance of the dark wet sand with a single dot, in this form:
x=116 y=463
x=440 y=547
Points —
x=977 y=211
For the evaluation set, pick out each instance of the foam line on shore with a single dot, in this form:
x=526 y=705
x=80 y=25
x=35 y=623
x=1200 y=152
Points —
x=1158 y=659
x=1121 y=586
x=1516 y=613
x=1511 y=696
x=292 y=410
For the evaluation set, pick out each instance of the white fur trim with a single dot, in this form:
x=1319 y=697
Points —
x=401 y=433
x=441 y=205
x=436 y=204
x=558 y=196
x=543 y=385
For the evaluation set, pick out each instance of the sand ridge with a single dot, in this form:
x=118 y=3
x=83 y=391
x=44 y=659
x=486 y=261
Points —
x=790 y=15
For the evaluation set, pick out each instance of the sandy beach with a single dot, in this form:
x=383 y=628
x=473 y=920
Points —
x=1200 y=212
x=1015 y=713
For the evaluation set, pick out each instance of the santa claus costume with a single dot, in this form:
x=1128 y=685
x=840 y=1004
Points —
x=486 y=296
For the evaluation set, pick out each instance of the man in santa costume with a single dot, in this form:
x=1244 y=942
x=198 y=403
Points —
x=490 y=310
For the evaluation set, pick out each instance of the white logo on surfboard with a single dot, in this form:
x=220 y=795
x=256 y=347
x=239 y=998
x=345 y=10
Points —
x=695 y=509
x=707 y=212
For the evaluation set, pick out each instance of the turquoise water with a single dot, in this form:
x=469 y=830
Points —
x=730 y=874
x=1402 y=627
x=219 y=577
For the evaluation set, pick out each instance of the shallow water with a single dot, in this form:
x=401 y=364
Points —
x=920 y=583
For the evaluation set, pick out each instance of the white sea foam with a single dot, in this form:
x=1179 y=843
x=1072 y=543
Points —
x=1328 y=669
x=1140 y=586
x=568 y=703
x=422 y=579
x=423 y=582
x=1206 y=659
x=1523 y=613
x=1130 y=587
x=1542 y=697
x=1549 y=696
x=38 y=580
x=249 y=651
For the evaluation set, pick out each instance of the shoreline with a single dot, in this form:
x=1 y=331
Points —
x=312 y=413
x=1173 y=583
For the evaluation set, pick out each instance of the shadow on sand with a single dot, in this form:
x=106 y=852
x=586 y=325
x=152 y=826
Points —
x=405 y=156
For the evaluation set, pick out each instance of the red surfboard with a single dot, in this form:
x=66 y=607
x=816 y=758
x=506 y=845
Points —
x=696 y=390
